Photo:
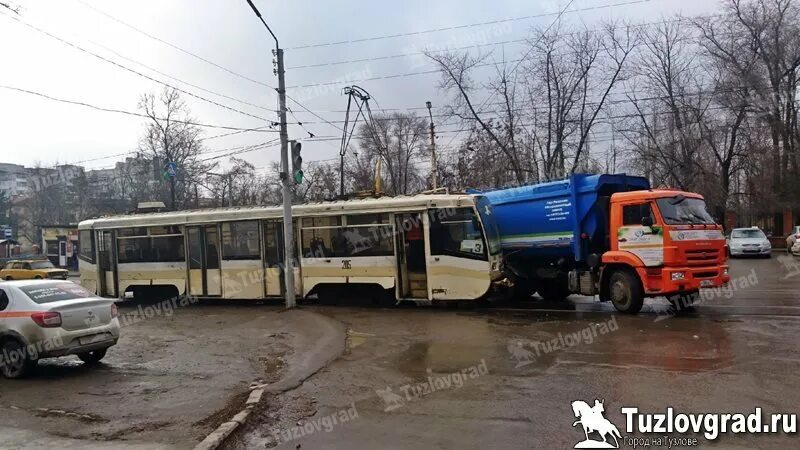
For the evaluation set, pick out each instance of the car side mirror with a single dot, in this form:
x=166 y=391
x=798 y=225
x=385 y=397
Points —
x=647 y=221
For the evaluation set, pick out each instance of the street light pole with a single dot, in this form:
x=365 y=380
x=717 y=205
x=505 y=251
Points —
x=288 y=232
x=434 y=171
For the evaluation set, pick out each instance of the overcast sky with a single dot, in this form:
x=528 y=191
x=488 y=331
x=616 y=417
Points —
x=226 y=32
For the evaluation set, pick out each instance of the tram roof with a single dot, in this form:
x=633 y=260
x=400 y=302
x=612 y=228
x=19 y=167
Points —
x=210 y=215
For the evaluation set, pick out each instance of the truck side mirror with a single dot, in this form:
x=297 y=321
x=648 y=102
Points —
x=647 y=221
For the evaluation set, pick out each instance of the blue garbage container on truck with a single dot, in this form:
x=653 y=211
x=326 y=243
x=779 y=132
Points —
x=559 y=236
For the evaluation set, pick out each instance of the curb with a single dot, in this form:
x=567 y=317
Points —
x=213 y=440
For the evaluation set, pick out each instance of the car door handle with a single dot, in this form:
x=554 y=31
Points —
x=435 y=258
x=327 y=260
x=622 y=240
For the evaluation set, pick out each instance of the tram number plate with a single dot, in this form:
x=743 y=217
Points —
x=346 y=264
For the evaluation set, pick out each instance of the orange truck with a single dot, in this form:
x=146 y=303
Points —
x=610 y=236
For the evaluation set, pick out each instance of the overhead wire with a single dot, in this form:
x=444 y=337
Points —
x=128 y=69
x=169 y=44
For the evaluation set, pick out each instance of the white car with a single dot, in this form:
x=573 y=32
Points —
x=792 y=239
x=749 y=242
x=48 y=318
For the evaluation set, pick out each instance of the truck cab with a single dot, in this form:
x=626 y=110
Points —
x=608 y=235
x=669 y=239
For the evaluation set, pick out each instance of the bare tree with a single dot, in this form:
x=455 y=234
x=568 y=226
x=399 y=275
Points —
x=169 y=138
x=398 y=139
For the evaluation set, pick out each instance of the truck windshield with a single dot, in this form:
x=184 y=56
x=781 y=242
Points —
x=489 y=224
x=684 y=210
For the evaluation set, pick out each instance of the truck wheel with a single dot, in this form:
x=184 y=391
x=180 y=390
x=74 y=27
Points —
x=625 y=292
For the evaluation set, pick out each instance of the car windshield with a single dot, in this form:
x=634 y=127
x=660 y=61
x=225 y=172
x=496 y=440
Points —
x=489 y=224
x=48 y=293
x=41 y=265
x=748 y=234
x=680 y=210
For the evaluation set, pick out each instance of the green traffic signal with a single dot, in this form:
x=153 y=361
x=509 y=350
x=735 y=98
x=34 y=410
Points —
x=297 y=162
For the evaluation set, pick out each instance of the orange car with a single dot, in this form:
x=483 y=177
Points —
x=31 y=269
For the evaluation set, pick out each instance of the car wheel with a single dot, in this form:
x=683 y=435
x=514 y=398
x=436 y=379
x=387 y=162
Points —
x=93 y=357
x=625 y=292
x=8 y=278
x=16 y=363
x=37 y=277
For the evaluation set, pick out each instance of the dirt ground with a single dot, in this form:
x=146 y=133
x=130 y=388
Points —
x=353 y=376
x=170 y=381
x=728 y=355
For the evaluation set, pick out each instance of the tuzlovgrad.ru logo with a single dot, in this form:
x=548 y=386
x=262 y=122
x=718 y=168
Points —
x=670 y=428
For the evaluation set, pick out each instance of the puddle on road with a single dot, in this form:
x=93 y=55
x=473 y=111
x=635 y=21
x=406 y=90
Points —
x=678 y=345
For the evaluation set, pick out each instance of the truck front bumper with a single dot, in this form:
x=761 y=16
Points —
x=675 y=280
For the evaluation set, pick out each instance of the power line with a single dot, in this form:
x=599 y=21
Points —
x=457 y=27
x=488 y=99
x=488 y=44
x=135 y=72
x=130 y=113
x=187 y=52
x=244 y=102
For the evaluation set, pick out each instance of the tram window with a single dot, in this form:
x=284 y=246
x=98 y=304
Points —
x=127 y=232
x=195 y=248
x=167 y=249
x=171 y=229
x=369 y=241
x=240 y=240
x=130 y=250
x=456 y=232
x=367 y=219
x=328 y=221
x=86 y=246
x=323 y=243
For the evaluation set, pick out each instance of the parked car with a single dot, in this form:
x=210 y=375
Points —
x=793 y=238
x=48 y=318
x=32 y=269
x=749 y=241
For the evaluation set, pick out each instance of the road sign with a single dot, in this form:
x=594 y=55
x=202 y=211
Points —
x=7 y=233
x=171 y=169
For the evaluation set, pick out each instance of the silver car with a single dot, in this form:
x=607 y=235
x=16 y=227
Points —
x=793 y=239
x=749 y=242
x=48 y=318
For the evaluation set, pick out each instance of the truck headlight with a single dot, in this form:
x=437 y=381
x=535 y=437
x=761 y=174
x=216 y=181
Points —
x=678 y=276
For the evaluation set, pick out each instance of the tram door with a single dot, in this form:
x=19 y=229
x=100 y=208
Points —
x=106 y=264
x=274 y=281
x=412 y=272
x=205 y=277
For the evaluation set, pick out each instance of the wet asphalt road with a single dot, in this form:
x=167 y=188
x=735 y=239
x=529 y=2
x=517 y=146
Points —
x=734 y=352
x=172 y=379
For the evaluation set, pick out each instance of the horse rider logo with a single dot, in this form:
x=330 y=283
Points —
x=592 y=420
x=392 y=400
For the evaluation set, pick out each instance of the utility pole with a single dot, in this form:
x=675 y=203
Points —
x=434 y=171
x=288 y=232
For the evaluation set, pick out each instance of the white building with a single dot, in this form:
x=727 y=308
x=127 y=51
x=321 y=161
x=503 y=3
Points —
x=14 y=179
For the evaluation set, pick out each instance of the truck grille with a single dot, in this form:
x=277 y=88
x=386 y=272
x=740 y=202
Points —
x=705 y=274
x=701 y=257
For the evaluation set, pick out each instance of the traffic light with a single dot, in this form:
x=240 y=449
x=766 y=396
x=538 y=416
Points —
x=297 y=162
